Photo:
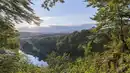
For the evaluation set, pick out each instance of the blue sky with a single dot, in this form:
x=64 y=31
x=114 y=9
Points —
x=71 y=13
x=70 y=7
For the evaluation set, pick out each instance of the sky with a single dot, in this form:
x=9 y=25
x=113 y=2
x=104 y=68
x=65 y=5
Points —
x=70 y=13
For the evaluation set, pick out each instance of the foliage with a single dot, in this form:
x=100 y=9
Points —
x=39 y=46
x=104 y=49
x=113 y=14
x=8 y=39
x=17 y=10
x=72 y=44
x=8 y=64
x=29 y=68
x=113 y=24
x=58 y=63
x=47 y=4
x=106 y=62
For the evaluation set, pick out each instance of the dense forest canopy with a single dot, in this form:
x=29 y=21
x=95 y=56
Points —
x=104 y=49
x=71 y=44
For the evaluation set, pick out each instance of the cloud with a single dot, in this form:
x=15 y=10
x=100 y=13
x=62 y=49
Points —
x=45 y=18
x=69 y=20
x=21 y=25
x=25 y=24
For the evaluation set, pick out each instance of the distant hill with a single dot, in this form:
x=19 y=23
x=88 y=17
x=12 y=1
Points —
x=26 y=35
x=26 y=32
x=56 y=29
x=29 y=34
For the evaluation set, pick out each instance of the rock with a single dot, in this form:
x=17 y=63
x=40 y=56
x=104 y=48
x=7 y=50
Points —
x=6 y=52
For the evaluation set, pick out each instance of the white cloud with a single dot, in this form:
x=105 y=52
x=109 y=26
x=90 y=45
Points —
x=70 y=20
x=45 y=18
x=23 y=24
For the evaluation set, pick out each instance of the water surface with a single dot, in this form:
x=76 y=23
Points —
x=34 y=60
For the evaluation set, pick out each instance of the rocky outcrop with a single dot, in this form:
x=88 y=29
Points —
x=6 y=52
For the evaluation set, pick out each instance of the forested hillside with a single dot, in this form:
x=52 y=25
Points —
x=72 y=44
x=103 y=49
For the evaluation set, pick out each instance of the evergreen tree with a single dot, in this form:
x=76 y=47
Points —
x=113 y=14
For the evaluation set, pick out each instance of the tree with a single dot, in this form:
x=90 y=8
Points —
x=113 y=14
x=12 y=11
x=8 y=39
x=17 y=10
x=47 y=4
x=9 y=64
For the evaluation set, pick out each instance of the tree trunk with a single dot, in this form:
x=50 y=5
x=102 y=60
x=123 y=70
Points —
x=122 y=37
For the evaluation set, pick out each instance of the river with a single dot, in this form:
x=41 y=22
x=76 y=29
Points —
x=34 y=60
